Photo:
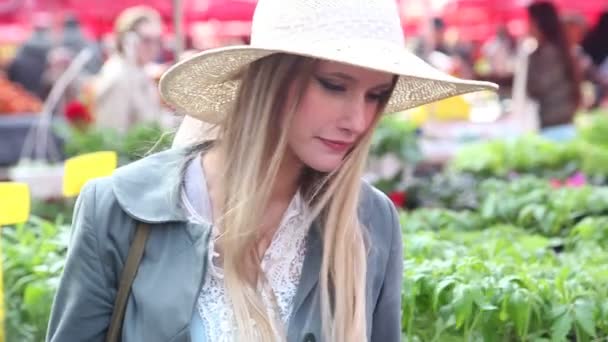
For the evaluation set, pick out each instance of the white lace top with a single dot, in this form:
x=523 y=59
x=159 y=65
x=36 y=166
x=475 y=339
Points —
x=282 y=263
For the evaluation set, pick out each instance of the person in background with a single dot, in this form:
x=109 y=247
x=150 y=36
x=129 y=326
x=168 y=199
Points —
x=594 y=42
x=31 y=59
x=500 y=52
x=125 y=94
x=596 y=46
x=553 y=75
x=576 y=28
x=75 y=41
x=439 y=41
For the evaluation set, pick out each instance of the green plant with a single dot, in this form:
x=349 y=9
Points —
x=593 y=127
x=144 y=139
x=395 y=134
x=33 y=258
x=498 y=283
x=531 y=203
x=50 y=209
x=526 y=154
x=394 y=137
x=92 y=140
x=444 y=190
x=130 y=146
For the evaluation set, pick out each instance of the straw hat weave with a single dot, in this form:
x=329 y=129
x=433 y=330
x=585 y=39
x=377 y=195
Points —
x=364 y=33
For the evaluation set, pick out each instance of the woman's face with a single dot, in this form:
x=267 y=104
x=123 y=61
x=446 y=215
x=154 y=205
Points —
x=338 y=106
x=149 y=42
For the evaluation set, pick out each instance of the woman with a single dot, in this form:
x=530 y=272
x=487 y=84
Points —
x=125 y=95
x=266 y=233
x=553 y=78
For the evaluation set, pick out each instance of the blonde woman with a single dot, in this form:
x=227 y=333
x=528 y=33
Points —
x=265 y=233
x=125 y=95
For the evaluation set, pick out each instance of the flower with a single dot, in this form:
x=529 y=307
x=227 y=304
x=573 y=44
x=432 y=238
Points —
x=77 y=113
x=398 y=197
x=555 y=183
x=577 y=180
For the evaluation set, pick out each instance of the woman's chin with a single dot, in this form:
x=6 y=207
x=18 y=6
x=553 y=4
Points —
x=325 y=164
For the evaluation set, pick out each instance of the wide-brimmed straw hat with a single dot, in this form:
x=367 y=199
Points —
x=364 y=33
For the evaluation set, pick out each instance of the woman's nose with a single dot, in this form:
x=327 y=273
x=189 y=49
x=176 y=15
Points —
x=355 y=119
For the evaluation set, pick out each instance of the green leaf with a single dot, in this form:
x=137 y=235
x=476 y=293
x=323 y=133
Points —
x=520 y=307
x=561 y=327
x=583 y=314
x=463 y=304
x=444 y=284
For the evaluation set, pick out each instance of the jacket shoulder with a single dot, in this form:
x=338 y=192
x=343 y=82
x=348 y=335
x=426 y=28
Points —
x=379 y=215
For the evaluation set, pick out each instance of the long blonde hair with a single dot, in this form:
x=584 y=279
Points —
x=252 y=142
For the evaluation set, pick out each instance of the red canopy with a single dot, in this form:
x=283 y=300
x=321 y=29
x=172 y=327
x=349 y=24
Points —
x=478 y=19
x=98 y=16
x=474 y=19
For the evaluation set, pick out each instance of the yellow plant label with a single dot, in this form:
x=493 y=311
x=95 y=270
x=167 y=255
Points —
x=80 y=169
x=14 y=203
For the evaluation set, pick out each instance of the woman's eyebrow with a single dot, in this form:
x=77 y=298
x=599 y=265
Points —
x=341 y=75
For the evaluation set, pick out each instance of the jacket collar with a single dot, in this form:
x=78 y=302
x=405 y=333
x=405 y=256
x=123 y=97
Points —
x=149 y=189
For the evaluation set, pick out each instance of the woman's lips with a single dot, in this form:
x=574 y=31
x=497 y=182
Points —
x=336 y=145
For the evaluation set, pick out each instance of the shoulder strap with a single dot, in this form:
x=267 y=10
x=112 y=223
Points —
x=129 y=271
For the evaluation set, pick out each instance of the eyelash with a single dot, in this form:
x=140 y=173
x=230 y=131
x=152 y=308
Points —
x=332 y=87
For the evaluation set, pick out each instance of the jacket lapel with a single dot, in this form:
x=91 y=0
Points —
x=311 y=267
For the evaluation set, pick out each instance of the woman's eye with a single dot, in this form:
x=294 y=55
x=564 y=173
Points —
x=330 y=85
x=379 y=97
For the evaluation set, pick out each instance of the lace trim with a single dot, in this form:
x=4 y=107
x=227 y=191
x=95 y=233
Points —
x=282 y=264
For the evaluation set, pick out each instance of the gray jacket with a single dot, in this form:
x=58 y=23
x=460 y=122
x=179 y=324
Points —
x=172 y=270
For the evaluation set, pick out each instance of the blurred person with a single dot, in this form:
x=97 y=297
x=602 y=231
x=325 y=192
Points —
x=439 y=37
x=553 y=75
x=58 y=60
x=595 y=42
x=500 y=52
x=576 y=28
x=30 y=61
x=125 y=94
x=74 y=40
x=434 y=41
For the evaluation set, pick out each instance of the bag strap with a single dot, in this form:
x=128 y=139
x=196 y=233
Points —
x=129 y=271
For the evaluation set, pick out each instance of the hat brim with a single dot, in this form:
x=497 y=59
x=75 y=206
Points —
x=204 y=85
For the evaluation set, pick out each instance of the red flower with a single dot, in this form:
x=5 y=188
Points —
x=77 y=113
x=398 y=198
x=556 y=183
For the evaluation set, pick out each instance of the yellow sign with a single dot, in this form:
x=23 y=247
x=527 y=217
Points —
x=14 y=208
x=453 y=108
x=2 y=308
x=79 y=170
x=14 y=203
